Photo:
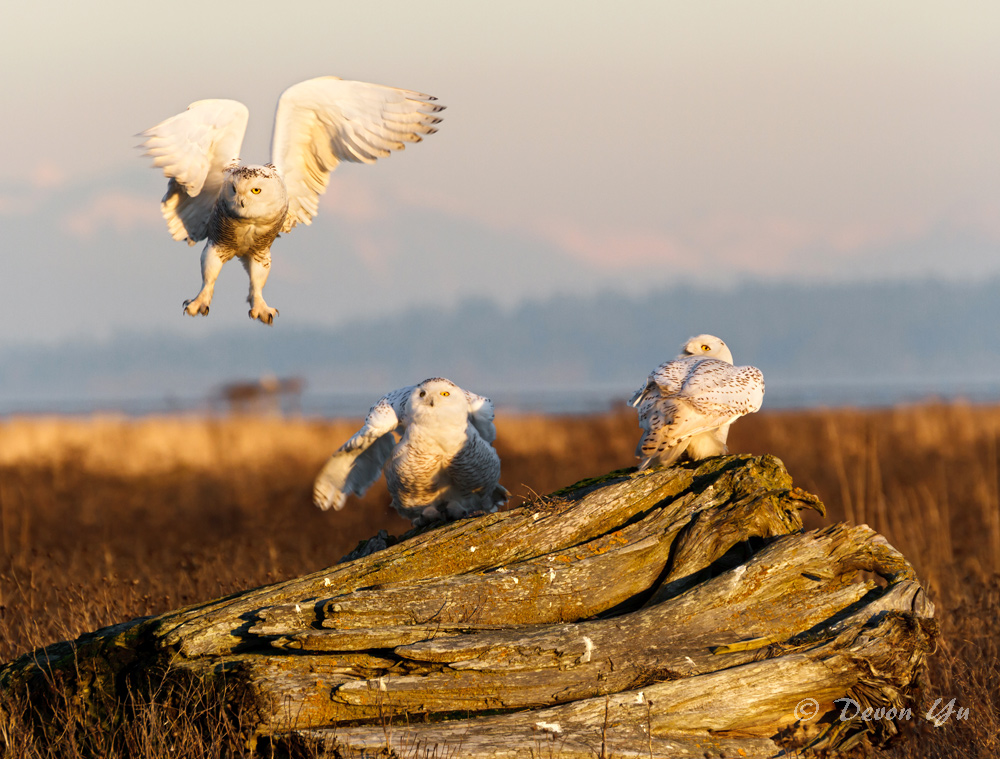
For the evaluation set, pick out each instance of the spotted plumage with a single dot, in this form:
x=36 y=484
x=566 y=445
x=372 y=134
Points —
x=240 y=209
x=687 y=405
x=443 y=466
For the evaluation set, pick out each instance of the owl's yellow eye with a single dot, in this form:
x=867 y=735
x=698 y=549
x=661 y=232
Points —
x=445 y=392
x=705 y=348
x=255 y=191
x=423 y=393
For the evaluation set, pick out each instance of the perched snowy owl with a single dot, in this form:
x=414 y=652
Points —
x=443 y=467
x=688 y=404
x=239 y=208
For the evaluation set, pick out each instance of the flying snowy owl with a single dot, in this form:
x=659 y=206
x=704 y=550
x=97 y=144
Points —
x=688 y=404
x=443 y=467
x=241 y=208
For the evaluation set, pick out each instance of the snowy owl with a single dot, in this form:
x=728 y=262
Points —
x=241 y=208
x=688 y=404
x=443 y=467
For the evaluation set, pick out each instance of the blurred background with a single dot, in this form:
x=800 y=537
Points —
x=815 y=183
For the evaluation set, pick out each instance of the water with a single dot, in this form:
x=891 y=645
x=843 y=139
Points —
x=590 y=399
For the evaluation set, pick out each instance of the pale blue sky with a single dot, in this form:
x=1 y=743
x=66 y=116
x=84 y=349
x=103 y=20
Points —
x=585 y=145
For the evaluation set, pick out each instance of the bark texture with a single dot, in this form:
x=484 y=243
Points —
x=668 y=612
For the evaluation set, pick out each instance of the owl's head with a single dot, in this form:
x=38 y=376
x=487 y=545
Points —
x=439 y=397
x=254 y=192
x=707 y=346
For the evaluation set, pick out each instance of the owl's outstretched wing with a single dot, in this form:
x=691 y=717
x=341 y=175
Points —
x=358 y=463
x=193 y=148
x=481 y=415
x=321 y=122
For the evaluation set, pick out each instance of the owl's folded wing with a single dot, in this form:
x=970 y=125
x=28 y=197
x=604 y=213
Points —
x=725 y=390
x=665 y=380
x=321 y=122
x=713 y=394
x=193 y=148
x=481 y=415
x=358 y=463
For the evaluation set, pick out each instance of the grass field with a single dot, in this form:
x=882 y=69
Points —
x=106 y=519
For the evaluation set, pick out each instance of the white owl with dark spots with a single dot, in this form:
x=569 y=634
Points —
x=687 y=405
x=443 y=466
x=240 y=209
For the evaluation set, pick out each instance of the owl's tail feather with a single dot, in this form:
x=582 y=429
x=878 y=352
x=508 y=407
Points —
x=660 y=456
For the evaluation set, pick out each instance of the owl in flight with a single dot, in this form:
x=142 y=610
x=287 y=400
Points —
x=241 y=208
x=688 y=404
x=444 y=465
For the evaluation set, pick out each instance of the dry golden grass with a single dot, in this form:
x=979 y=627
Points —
x=106 y=519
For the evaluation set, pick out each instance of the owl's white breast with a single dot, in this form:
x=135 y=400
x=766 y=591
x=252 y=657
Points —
x=446 y=437
x=246 y=235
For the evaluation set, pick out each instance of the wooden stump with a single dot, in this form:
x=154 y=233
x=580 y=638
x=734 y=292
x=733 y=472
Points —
x=641 y=614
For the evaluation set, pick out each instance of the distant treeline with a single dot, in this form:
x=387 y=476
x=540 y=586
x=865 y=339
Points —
x=793 y=332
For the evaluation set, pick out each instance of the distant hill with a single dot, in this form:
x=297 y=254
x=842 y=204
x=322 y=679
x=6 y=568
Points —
x=928 y=335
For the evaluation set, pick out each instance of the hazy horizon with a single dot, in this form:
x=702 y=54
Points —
x=853 y=344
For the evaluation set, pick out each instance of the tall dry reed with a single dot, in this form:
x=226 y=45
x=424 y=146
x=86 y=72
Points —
x=106 y=519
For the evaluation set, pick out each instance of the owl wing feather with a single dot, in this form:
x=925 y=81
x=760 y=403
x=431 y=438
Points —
x=193 y=148
x=476 y=469
x=358 y=463
x=484 y=472
x=666 y=379
x=481 y=415
x=690 y=396
x=323 y=121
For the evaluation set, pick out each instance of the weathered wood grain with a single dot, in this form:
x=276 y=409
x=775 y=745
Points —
x=640 y=614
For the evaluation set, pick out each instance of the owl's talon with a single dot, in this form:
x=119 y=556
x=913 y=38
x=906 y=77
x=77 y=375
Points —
x=195 y=307
x=264 y=313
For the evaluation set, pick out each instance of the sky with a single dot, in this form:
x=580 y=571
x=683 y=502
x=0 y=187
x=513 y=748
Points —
x=585 y=146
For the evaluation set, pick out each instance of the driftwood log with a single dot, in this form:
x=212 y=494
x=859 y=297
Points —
x=669 y=612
